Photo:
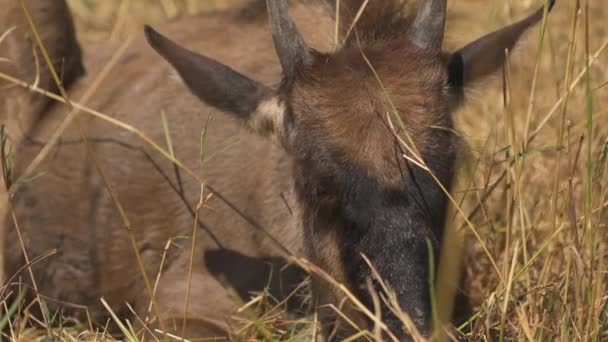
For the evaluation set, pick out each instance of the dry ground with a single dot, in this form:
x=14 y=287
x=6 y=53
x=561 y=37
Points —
x=534 y=174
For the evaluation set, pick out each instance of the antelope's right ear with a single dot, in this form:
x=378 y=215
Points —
x=486 y=55
x=224 y=88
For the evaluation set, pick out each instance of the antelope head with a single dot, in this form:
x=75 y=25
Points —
x=370 y=132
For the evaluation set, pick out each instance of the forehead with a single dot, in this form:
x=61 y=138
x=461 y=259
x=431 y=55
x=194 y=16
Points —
x=347 y=101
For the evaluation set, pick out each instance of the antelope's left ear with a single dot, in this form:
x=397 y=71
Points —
x=487 y=54
x=224 y=88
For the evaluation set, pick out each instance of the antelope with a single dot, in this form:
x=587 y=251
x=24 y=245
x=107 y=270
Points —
x=321 y=169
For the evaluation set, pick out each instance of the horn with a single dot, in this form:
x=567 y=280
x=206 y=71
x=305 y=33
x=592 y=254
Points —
x=291 y=47
x=428 y=28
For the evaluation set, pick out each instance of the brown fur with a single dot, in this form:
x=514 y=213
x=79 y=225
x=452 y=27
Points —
x=95 y=258
x=19 y=109
x=383 y=20
x=369 y=122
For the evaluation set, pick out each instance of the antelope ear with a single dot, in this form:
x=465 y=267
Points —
x=222 y=87
x=487 y=54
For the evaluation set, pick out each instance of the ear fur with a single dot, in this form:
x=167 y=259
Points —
x=222 y=87
x=213 y=82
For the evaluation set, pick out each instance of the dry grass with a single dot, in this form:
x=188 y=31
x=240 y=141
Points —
x=545 y=222
x=534 y=177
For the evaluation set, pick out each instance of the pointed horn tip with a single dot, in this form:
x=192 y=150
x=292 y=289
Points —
x=551 y=4
x=428 y=29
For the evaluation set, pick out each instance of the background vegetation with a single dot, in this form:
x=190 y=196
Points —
x=534 y=175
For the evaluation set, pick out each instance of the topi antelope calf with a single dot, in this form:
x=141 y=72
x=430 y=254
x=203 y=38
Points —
x=340 y=158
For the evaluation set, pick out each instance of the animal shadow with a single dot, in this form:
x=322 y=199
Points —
x=249 y=275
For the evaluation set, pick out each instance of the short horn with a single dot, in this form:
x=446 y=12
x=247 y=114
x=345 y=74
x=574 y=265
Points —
x=428 y=28
x=291 y=47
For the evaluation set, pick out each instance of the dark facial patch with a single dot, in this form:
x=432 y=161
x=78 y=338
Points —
x=390 y=225
x=351 y=176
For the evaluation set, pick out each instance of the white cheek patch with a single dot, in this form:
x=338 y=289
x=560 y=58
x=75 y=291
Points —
x=268 y=118
x=175 y=77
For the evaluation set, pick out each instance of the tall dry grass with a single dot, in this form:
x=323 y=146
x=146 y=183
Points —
x=538 y=155
x=533 y=181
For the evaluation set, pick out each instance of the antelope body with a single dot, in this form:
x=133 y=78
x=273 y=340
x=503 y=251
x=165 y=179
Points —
x=318 y=170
